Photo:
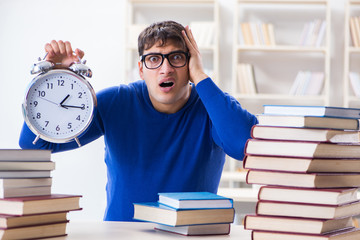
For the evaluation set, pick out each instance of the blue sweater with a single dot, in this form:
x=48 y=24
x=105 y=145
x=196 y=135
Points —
x=149 y=152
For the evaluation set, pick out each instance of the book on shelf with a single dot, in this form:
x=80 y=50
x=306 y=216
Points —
x=307 y=180
x=24 y=155
x=301 y=165
x=246 y=79
x=256 y=34
x=330 y=196
x=306 y=210
x=34 y=232
x=26 y=166
x=354 y=79
x=194 y=200
x=296 y=225
x=162 y=214
x=347 y=234
x=25 y=174
x=354 y=31
x=197 y=230
x=204 y=32
x=305 y=134
x=307 y=83
x=301 y=149
x=39 y=204
x=308 y=121
x=313 y=33
x=11 y=221
x=320 y=111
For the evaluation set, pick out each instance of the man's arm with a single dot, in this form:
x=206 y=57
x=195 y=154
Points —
x=231 y=123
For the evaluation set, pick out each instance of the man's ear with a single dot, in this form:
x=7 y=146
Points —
x=141 y=66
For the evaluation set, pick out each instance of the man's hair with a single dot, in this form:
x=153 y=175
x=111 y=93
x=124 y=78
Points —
x=161 y=32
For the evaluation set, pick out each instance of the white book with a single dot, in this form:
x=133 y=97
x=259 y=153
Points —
x=24 y=155
x=321 y=35
x=354 y=78
x=25 y=191
x=24 y=174
x=24 y=182
x=315 y=84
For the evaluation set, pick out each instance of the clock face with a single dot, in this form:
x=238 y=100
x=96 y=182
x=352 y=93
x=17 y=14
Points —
x=59 y=105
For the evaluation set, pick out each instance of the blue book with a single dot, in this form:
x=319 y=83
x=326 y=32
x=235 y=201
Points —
x=320 y=111
x=159 y=213
x=195 y=200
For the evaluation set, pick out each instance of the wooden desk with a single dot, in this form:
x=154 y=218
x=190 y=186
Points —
x=136 y=231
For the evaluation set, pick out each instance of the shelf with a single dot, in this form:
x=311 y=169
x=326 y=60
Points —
x=297 y=2
x=278 y=97
x=283 y=48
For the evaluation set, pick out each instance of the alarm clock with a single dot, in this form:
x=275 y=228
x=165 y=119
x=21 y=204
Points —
x=59 y=103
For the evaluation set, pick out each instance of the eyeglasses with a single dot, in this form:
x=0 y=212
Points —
x=177 y=59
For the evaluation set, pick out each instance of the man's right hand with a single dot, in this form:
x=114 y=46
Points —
x=61 y=54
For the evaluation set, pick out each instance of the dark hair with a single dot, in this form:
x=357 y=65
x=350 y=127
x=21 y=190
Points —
x=161 y=32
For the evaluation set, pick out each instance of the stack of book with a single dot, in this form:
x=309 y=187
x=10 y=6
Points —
x=256 y=34
x=188 y=213
x=28 y=209
x=308 y=159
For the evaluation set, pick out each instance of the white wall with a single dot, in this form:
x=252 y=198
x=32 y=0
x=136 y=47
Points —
x=97 y=27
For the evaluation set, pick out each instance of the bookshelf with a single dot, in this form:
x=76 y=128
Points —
x=301 y=38
x=351 y=97
x=201 y=15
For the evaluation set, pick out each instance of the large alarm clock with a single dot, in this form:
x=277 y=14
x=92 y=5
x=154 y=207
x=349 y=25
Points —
x=59 y=103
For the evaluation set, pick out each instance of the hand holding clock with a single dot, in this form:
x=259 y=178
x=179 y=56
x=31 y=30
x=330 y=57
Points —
x=61 y=53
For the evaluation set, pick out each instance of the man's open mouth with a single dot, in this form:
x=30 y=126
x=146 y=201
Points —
x=166 y=84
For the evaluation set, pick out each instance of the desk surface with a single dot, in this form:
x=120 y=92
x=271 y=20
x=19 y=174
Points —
x=136 y=230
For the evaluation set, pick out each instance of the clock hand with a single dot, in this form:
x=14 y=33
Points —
x=49 y=101
x=70 y=106
x=61 y=104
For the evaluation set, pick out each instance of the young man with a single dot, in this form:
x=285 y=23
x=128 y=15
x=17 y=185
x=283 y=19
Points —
x=162 y=133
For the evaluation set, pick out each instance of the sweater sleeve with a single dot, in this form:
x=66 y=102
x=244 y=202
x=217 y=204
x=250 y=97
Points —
x=231 y=124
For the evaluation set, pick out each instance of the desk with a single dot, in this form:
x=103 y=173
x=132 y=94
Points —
x=136 y=231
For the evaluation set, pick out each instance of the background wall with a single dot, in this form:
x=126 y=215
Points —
x=97 y=27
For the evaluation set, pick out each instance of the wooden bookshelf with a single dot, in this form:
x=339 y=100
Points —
x=351 y=53
x=285 y=48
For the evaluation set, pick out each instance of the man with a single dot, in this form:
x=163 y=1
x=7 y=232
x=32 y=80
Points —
x=162 y=133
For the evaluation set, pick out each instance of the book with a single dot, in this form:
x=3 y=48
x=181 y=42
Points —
x=307 y=180
x=26 y=166
x=331 y=196
x=301 y=149
x=305 y=134
x=34 y=232
x=39 y=204
x=194 y=200
x=305 y=210
x=347 y=234
x=325 y=111
x=24 y=155
x=301 y=165
x=11 y=221
x=25 y=174
x=197 y=230
x=354 y=79
x=25 y=191
x=162 y=214
x=24 y=182
x=298 y=225
x=308 y=122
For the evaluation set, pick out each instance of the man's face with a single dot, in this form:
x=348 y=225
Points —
x=168 y=86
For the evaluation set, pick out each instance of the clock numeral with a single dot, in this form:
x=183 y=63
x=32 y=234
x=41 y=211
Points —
x=35 y=103
x=57 y=128
x=38 y=115
x=72 y=86
x=61 y=83
x=80 y=94
x=69 y=125
x=46 y=123
x=42 y=93
x=78 y=118
x=50 y=85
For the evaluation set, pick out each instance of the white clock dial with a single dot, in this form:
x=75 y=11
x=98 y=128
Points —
x=59 y=105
